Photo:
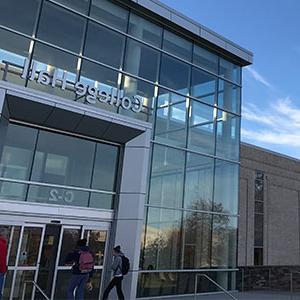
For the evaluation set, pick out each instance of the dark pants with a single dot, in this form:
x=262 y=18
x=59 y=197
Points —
x=1 y=283
x=115 y=282
x=77 y=281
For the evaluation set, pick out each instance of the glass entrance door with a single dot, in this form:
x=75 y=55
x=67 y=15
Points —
x=38 y=252
x=24 y=253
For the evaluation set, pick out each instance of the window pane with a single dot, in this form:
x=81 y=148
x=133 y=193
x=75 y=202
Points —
x=205 y=59
x=48 y=59
x=102 y=79
x=79 y=5
x=197 y=240
x=105 y=167
x=103 y=201
x=109 y=13
x=61 y=27
x=145 y=91
x=203 y=86
x=230 y=71
x=199 y=182
x=163 y=232
x=57 y=196
x=104 y=45
x=16 y=160
x=201 y=127
x=258 y=256
x=229 y=96
x=170 y=126
x=258 y=230
x=226 y=187
x=174 y=74
x=228 y=135
x=224 y=241
x=177 y=45
x=145 y=30
x=166 y=185
x=14 y=49
x=19 y=15
x=56 y=161
x=141 y=60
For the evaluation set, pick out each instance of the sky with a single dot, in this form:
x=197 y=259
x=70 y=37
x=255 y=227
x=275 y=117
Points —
x=271 y=85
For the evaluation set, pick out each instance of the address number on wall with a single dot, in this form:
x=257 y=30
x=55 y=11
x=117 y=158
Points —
x=58 y=196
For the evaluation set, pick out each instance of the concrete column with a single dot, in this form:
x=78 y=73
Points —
x=130 y=214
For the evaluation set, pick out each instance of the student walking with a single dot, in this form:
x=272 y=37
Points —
x=120 y=267
x=3 y=256
x=82 y=270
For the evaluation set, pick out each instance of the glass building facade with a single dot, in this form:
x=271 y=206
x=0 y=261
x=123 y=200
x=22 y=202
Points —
x=192 y=97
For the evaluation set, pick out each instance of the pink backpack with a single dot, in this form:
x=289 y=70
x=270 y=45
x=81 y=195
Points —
x=86 y=262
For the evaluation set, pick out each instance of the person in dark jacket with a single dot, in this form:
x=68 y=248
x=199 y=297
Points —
x=79 y=279
x=117 y=275
x=3 y=256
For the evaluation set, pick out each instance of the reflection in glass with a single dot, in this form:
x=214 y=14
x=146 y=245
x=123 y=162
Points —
x=16 y=230
x=203 y=86
x=198 y=182
x=226 y=187
x=166 y=183
x=104 y=45
x=16 y=159
x=30 y=245
x=56 y=161
x=167 y=283
x=224 y=241
x=141 y=60
x=21 y=277
x=133 y=87
x=205 y=59
x=170 y=126
x=79 y=5
x=48 y=59
x=174 y=74
x=102 y=79
x=177 y=45
x=69 y=242
x=58 y=25
x=7 y=284
x=201 y=127
x=145 y=30
x=228 y=136
x=19 y=15
x=105 y=167
x=163 y=235
x=100 y=200
x=230 y=71
x=96 y=240
x=229 y=96
x=197 y=240
x=109 y=13
x=14 y=50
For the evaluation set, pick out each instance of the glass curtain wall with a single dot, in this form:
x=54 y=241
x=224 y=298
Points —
x=42 y=166
x=191 y=95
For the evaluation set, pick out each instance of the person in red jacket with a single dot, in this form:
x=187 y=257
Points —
x=3 y=255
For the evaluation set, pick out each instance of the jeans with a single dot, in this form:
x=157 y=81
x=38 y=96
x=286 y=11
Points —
x=77 y=281
x=1 y=283
x=115 y=282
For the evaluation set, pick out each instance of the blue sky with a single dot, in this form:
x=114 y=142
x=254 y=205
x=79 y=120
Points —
x=271 y=86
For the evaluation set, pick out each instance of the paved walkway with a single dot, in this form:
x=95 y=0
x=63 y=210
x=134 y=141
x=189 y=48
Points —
x=243 y=296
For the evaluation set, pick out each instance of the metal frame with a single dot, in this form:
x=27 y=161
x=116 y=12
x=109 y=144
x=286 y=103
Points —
x=215 y=283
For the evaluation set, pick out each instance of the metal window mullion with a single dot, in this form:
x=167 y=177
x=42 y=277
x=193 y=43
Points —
x=92 y=175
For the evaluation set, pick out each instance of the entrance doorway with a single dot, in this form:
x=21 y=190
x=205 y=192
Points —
x=36 y=252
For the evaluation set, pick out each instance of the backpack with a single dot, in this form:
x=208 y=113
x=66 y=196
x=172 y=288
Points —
x=86 y=262
x=125 y=265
